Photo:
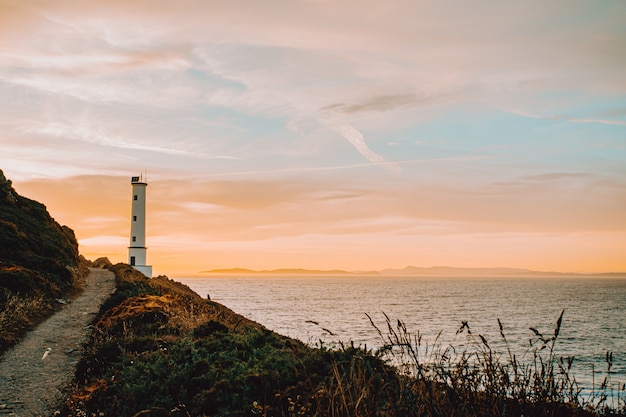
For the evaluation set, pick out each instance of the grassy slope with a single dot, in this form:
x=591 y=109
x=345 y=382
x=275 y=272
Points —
x=159 y=346
x=159 y=349
x=39 y=262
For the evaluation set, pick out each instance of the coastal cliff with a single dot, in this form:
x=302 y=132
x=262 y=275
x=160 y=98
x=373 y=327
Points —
x=39 y=264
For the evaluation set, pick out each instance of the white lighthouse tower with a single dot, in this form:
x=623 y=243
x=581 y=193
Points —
x=137 y=249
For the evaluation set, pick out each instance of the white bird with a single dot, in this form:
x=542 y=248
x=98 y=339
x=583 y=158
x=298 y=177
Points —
x=46 y=353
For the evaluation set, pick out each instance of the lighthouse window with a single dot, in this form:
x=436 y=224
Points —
x=135 y=197
x=134 y=238
x=134 y=218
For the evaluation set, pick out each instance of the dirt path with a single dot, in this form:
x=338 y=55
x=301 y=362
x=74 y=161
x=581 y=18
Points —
x=32 y=386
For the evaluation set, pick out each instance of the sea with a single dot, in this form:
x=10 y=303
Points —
x=331 y=310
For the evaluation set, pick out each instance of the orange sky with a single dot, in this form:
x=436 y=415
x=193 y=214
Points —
x=318 y=134
x=195 y=226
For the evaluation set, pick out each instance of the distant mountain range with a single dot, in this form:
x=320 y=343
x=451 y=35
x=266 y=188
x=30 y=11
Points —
x=454 y=271
x=441 y=271
x=294 y=271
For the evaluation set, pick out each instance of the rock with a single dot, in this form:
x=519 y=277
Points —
x=46 y=353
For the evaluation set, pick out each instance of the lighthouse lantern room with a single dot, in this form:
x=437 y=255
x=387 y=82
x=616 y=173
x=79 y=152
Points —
x=137 y=249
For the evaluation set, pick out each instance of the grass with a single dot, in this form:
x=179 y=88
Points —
x=159 y=349
x=479 y=380
x=18 y=315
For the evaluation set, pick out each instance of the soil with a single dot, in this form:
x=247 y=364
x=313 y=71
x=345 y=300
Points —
x=35 y=374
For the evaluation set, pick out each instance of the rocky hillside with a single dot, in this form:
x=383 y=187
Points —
x=39 y=263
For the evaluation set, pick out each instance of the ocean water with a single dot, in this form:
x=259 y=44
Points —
x=333 y=309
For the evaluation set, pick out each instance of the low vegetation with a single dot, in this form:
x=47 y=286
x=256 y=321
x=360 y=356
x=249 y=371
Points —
x=39 y=264
x=159 y=349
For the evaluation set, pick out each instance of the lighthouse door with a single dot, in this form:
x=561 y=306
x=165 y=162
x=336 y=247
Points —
x=132 y=261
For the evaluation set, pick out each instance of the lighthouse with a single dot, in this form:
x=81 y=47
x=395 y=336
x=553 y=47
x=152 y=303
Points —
x=137 y=249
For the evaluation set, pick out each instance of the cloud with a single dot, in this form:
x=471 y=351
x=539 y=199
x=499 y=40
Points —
x=389 y=102
x=601 y=121
x=556 y=176
x=566 y=118
x=357 y=140
x=100 y=137
x=378 y=103
x=95 y=62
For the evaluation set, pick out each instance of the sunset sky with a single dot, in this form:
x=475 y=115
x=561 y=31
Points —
x=323 y=134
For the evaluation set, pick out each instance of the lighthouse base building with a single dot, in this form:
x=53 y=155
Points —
x=138 y=263
x=137 y=251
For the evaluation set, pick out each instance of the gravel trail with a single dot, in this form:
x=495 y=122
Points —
x=35 y=373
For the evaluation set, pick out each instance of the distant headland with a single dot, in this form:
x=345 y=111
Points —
x=284 y=271
x=437 y=271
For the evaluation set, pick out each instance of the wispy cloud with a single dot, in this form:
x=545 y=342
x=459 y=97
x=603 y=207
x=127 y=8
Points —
x=357 y=140
x=381 y=103
x=566 y=118
x=556 y=176
x=97 y=136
